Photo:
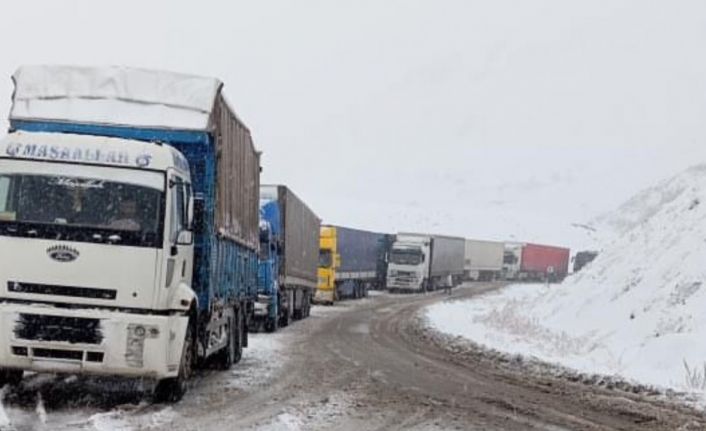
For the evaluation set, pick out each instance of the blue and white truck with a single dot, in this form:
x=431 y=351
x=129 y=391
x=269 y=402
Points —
x=128 y=226
x=289 y=255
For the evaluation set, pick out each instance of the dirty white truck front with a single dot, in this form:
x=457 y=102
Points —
x=408 y=265
x=89 y=281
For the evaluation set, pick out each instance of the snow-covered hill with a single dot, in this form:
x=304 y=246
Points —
x=638 y=311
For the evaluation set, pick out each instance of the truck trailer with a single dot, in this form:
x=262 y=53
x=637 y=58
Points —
x=484 y=260
x=425 y=262
x=350 y=261
x=289 y=256
x=128 y=226
x=535 y=262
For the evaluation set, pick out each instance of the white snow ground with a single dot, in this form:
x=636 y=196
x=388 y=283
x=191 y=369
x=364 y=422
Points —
x=637 y=312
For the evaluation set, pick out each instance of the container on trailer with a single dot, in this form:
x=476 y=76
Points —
x=447 y=254
x=301 y=240
x=545 y=261
x=483 y=259
x=359 y=251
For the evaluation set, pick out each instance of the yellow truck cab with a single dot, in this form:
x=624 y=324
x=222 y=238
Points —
x=329 y=261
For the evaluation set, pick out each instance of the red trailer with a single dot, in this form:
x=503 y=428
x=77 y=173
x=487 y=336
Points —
x=542 y=262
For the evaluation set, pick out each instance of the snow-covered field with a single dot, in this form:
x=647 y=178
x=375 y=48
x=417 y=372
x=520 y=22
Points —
x=637 y=312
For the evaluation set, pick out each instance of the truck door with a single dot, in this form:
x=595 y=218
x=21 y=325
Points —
x=180 y=253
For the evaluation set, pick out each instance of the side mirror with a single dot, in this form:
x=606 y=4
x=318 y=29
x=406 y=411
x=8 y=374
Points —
x=185 y=237
x=337 y=260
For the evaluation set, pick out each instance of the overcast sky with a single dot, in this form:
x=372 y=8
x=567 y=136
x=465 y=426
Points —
x=493 y=119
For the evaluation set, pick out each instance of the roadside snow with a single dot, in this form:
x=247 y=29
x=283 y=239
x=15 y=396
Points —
x=638 y=311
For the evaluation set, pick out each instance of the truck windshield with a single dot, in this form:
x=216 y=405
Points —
x=325 y=259
x=406 y=256
x=80 y=209
x=509 y=258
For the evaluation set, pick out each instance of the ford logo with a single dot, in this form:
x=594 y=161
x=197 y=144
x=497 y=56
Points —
x=63 y=253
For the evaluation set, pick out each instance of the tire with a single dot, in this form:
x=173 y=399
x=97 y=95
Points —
x=284 y=320
x=298 y=314
x=241 y=333
x=10 y=377
x=271 y=325
x=224 y=359
x=307 y=306
x=172 y=390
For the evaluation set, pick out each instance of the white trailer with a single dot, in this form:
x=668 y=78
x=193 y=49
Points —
x=484 y=260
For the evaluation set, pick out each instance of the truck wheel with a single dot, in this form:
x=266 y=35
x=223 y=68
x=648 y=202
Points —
x=10 y=377
x=173 y=389
x=307 y=306
x=284 y=321
x=224 y=359
x=240 y=334
x=271 y=324
x=298 y=314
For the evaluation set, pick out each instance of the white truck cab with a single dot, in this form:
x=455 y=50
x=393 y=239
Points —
x=96 y=255
x=408 y=263
x=512 y=260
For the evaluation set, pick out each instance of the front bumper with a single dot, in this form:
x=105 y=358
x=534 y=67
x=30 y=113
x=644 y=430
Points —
x=404 y=284
x=264 y=307
x=88 y=341
x=324 y=296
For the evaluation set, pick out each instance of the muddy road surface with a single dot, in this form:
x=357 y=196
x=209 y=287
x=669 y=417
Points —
x=359 y=365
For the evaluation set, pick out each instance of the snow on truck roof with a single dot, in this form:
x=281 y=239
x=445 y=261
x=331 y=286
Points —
x=114 y=95
x=97 y=150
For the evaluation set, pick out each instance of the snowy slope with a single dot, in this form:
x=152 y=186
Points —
x=638 y=311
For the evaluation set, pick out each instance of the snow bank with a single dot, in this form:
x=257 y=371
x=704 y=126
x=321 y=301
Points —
x=638 y=311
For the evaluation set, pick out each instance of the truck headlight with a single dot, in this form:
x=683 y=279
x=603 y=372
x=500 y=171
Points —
x=135 y=345
x=139 y=331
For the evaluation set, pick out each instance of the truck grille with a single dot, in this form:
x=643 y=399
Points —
x=71 y=355
x=37 y=327
x=49 y=289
